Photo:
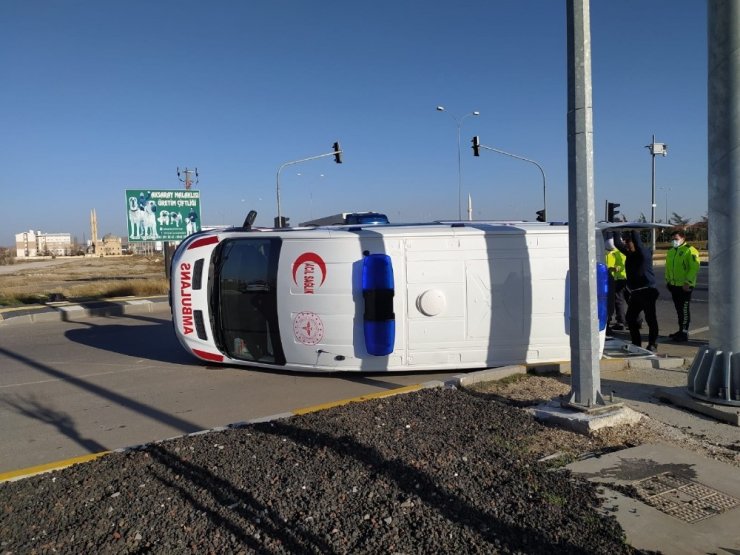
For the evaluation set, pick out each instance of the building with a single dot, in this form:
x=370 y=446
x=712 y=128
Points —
x=108 y=246
x=35 y=243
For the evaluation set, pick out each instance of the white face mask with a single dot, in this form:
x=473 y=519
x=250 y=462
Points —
x=676 y=243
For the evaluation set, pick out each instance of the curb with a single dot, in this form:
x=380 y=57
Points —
x=66 y=311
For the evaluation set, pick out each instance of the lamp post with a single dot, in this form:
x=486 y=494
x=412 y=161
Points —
x=458 y=122
x=666 y=189
x=656 y=149
x=310 y=195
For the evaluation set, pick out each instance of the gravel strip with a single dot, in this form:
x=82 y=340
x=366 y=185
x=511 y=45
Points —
x=435 y=471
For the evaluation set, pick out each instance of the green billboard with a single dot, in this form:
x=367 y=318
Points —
x=162 y=215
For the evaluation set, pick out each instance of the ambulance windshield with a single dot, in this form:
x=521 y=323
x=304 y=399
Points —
x=244 y=297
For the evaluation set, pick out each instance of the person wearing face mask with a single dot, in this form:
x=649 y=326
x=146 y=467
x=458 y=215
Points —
x=681 y=268
x=641 y=286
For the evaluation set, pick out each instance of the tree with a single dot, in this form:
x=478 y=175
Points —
x=678 y=220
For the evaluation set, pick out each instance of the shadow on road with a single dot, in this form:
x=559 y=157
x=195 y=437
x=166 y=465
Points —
x=32 y=408
x=155 y=342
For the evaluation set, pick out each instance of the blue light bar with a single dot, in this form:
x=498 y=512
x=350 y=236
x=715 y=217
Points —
x=602 y=294
x=378 y=291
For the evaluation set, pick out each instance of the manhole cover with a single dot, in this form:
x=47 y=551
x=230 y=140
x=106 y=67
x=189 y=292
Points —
x=682 y=498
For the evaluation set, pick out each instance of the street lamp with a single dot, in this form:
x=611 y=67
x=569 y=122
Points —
x=656 y=149
x=458 y=121
x=666 y=189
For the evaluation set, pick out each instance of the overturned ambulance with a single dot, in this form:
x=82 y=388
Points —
x=377 y=298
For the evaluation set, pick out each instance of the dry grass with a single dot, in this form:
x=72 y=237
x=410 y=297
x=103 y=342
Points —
x=79 y=279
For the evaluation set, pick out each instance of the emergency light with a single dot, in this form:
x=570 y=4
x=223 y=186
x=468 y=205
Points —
x=602 y=294
x=378 y=290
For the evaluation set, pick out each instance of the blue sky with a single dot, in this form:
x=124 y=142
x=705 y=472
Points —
x=101 y=96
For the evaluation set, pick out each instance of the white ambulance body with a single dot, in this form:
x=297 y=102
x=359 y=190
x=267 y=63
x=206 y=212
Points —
x=458 y=295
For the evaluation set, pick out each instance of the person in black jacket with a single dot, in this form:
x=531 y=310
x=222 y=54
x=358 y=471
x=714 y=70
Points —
x=641 y=285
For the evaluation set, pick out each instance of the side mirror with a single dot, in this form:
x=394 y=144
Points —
x=249 y=220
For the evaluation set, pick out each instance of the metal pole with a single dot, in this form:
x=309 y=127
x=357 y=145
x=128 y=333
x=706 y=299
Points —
x=724 y=175
x=542 y=171
x=666 y=206
x=458 y=123
x=715 y=373
x=652 y=204
x=459 y=173
x=584 y=330
x=277 y=184
x=277 y=193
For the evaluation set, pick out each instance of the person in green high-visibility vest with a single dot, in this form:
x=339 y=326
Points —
x=618 y=294
x=681 y=268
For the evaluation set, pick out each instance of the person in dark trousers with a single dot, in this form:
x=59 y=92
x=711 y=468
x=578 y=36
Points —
x=618 y=296
x=641 y=286
x=681 y=268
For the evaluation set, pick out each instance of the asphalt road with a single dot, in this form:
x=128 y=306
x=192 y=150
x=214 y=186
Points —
x=72 y=388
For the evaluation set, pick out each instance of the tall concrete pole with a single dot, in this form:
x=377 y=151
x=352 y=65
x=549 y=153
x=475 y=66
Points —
x=584 y=330
x=715 y=373
x=724 y=173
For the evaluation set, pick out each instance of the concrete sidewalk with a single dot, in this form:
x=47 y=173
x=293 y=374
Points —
x=680 y=503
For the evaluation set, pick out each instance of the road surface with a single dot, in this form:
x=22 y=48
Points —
x=77 y=387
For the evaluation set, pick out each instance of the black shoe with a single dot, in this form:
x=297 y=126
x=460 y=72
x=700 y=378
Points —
x=652 y=348
x=618 y=327
x=674 y=334
x=680 y=337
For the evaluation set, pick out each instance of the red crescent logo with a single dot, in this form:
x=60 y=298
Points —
x=310 y=257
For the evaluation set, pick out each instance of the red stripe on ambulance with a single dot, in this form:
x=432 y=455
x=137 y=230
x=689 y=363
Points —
x=186 y=299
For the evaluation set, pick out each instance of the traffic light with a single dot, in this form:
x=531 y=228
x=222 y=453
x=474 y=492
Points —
x=337 y=153
x=476 y=146
x=541 y=215
x=611 y=211
x=282 y=222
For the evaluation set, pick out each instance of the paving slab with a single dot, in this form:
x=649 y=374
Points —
x=686 y=504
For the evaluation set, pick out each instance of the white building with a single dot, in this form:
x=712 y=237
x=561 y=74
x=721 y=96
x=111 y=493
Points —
x=35 y=243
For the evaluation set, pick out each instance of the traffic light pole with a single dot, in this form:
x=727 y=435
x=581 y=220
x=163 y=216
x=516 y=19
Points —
x=544 y=179
x=336 y=153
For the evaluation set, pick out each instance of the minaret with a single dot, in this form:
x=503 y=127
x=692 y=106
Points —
x=94 y=230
